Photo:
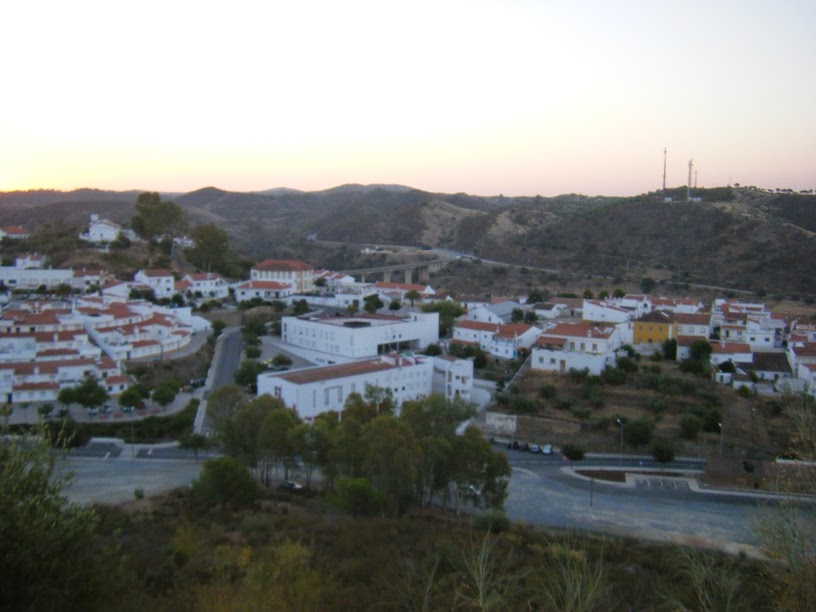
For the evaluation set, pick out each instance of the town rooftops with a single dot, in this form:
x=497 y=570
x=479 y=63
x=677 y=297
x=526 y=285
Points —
x=204 y=276
x=692 y=319
x=657 y=316
x=580 y=330
x=283 y=265
x=730 y=347
x=771 y=362
x=15 y=230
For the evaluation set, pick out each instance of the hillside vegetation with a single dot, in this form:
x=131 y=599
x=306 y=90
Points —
x=733 y=238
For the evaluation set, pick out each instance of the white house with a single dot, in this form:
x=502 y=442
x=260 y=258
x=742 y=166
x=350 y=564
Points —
x=33 y=278
x=161 y=281
x=397 y=291
x=503 y=341
x=453 y=377
x=14 y=232
x=735 y=352
x=29 y=261
x=548 y=310
x=605 y=312
x=262 y=289
x=339 y=339
x=576 y=346
x=207 y=285
x=312 y=391
x=640 y=304
x=697 y=326
x=101 y=230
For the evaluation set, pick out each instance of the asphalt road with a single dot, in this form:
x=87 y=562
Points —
x=542 y=492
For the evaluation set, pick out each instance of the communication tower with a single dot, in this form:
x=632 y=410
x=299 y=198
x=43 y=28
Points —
x=688 y=188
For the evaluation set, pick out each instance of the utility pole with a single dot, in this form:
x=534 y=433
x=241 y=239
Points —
x=664 y=171
x=620 y=424
x=688 y=188
x=721 y=439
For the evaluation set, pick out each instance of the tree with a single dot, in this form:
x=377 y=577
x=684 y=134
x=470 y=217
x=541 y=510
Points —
x=392 y=460
x=689 y=426
x=194 y=442
x=155 y=217
x=618 y=293
x=50 y=558
x=670 y=348
x=535 y=297
x=647 y=284
x=530 y=317
x=212 y=250
x=394 y=305
x=517 y=315
x=357 y=496
x=164 y=393
x=88 y=394
x=372 y=303
x=478 y=473
x=663 y=451
x=412 y=296
x=638 y=432
x=588 y=295
x=448 y=312
x=247 y=374
x=275 y=441
x=300 y=307
x=225 y=481
x=320 y=282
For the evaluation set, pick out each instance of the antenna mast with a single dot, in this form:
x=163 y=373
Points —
x=688 y=188
x=664 y=171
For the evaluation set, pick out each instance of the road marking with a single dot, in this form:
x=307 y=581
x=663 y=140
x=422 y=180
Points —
x=528 y=472
x=149 y=452
x=107 y=455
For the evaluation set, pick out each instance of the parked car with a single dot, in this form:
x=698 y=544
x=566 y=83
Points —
x=107 y=409
x=290 y=485
x=546 y=449
x=92 y=411
x=535 y=448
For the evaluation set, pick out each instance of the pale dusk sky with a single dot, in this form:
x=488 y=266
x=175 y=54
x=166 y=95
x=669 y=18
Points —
x=519 y=97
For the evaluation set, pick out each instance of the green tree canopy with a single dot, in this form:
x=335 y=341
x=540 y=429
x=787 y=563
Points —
x=155 y=217
x=225 y=481
x=212 y=250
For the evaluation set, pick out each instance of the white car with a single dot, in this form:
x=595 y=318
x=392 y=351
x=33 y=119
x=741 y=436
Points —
x=535 y=448
x=546 y=449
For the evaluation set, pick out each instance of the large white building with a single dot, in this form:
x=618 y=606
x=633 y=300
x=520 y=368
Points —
x=298 y=275
x=339 y=339
x=312 y=391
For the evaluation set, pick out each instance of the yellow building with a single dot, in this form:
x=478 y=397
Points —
x=654 y=328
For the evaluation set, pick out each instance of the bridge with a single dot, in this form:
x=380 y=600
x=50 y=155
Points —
x=422 y=269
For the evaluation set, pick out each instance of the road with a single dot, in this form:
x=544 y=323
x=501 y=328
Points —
x=543 y=492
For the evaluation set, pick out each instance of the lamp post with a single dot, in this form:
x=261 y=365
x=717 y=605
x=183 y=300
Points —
x=620 y=424
x=721 y=439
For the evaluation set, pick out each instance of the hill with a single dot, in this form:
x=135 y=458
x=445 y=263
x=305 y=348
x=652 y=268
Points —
x=732 y=238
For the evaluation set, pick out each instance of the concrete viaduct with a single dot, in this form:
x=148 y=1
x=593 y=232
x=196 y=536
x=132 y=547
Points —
x=422 y=269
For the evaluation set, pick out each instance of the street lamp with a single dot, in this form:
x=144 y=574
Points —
x=721 y=438
x=620 y=424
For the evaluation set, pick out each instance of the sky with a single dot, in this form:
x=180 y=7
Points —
x=513 y=97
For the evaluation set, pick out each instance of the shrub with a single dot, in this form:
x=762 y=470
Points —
x=578 y=375
x=614 y=376
x=744 y=391
x=663 y=451
x=711 y=420
x=564 y=403
x=627 y=364
x=547 y=391
x=253 y=352
x=638 y=432
x=581 y=412
x=573 y=451
x=596 y=399
x=138 y=493
x=657 y=404
x=689 y=426
x=494 y=521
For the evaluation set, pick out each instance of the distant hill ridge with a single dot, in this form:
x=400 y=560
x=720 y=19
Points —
x=757 y=239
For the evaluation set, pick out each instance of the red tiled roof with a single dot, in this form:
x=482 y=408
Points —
x=550 y=341
x=205 y=276
x=730 y=347
x=283 y=265
x=37 y=386
x=657 y=316
x=256 y=284
x=302 y=377
x=692 y=319
x=15 y=230
x=579 y=330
